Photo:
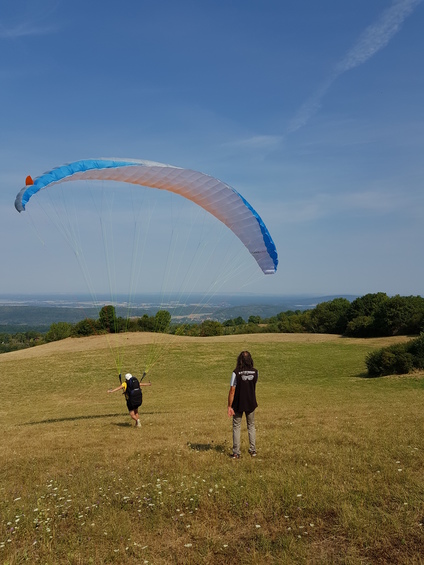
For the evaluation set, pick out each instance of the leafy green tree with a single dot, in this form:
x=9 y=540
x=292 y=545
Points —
x=254 y=320
x=32 y=336
x=20 y=340
x=292 y=324
x=249 y=329
x=361 y=326
x=85 y=328
x=366 y=305
x=107 y=319
x=4 y=338
x=330 y=317
x=400 y=315
x=129 y=325
x=162 y=321
x=210 y=328
x=58 y=331
x=273 y=327
x=193 y=330
x=146 y=323
x=234 y=322
x=182 y=329
x=122 y=324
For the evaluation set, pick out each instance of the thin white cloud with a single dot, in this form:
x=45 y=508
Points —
x=374 y=201
x=257 y=141
x=373 y=39
x=311 y=106
x=378 y=35
x=30 y=20
x=25 y=29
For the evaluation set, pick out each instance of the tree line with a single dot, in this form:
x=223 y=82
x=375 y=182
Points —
x=372 y=315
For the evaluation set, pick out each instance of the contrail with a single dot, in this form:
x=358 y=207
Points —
x=373 y=39
x=30 y=21
x=22 y=30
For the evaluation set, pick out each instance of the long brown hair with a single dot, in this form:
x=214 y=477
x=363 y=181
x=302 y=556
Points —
x=244 y=362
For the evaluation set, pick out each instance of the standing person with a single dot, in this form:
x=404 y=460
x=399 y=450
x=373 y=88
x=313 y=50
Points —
x=133 y=395
x=242 y=398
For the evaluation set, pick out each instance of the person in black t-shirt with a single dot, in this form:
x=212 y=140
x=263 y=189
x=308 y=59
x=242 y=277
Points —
x=242 y=398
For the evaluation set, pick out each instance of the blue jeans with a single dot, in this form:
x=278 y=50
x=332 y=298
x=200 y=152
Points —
x=251 y=430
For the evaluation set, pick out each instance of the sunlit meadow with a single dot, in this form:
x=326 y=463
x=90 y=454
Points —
x=338 y=477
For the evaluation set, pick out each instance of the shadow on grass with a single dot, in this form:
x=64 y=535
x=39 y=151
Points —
x=77 y=418
x=207 y=447
x=367 y=376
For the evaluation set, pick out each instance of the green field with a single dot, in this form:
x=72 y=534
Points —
x=338 y=477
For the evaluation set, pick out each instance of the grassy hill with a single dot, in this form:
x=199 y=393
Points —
x=338 y=477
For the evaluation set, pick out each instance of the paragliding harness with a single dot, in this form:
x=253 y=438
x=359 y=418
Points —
x=133 y=394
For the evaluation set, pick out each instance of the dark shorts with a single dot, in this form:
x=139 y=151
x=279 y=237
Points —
x=131 y=408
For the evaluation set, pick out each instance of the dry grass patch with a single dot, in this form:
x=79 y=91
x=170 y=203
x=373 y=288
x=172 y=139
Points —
x=338 y=477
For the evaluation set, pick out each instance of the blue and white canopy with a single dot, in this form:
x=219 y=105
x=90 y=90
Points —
x=216 y=197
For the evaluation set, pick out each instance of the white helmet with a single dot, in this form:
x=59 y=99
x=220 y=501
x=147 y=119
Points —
x=128 y=376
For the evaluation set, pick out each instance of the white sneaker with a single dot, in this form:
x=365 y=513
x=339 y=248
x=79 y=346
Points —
x=138 y=424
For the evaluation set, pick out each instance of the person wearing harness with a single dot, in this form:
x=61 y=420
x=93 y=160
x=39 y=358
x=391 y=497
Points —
x=242 y=398
x=131 y=388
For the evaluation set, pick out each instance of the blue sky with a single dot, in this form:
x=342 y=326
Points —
x=313 y=111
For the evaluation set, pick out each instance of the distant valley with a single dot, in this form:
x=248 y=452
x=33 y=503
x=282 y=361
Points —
x=22 y=313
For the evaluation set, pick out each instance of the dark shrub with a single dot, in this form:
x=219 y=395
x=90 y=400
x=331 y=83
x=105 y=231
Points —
x=416 y=349
x=403 y=361
x=376 y=363
x=393 y=360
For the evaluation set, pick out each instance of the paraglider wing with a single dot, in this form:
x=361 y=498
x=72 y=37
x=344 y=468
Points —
x=216 y=197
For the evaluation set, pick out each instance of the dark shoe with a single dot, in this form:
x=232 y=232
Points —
x=252 y=453
x=235 y=456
